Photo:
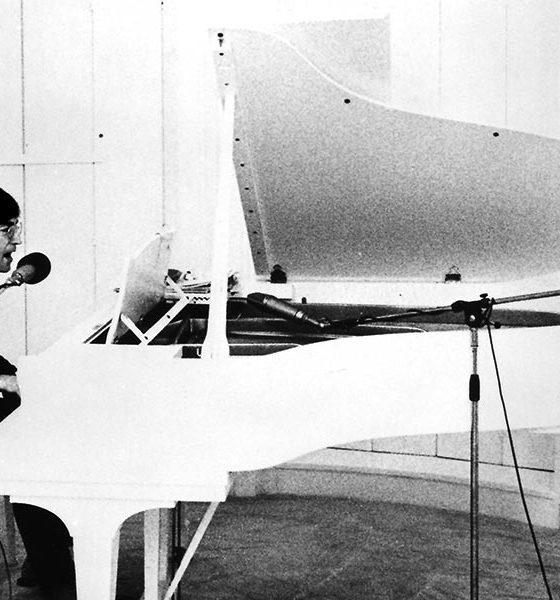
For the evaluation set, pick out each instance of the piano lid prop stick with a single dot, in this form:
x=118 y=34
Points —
x=215 y=344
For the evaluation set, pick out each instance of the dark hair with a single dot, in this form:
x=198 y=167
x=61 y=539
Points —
x=9 y=208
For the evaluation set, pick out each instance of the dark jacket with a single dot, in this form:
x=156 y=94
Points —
x=9 y=401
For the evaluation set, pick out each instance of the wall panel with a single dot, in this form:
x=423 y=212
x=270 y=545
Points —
x=457 y=445
x=425 y=445
x=473 y=73
x=533 y=67
x=12 y=315
x=57 y=71
x=128 y=131
x=59 y=223
x=532 y=449
x=10 y=76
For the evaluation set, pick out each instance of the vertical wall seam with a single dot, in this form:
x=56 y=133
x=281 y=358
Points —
x=93 y=161
x=23 y=169
x=440 y=36
x=162 y=101
x=25 y=299
x=22 y=66
x=506 y=71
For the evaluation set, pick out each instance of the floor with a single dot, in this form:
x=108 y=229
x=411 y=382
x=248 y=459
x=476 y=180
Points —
x=288 y=548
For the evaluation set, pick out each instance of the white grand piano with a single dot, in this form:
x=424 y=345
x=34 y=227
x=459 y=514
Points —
x=126 y=416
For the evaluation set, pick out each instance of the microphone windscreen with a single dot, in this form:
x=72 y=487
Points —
x=39 y=267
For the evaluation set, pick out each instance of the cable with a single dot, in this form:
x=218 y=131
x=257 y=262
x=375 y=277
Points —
x=516 y=465
x=8 y=573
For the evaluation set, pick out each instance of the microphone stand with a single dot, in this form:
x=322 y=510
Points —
x=476 y=315
x=4 y=287
x=474 y=397
x=9 y=283
x=456 y=307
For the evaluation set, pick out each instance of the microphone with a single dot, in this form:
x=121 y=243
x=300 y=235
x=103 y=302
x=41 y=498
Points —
x=283 y=309
x=31 y=269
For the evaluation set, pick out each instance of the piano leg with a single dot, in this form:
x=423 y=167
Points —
x=95 y=555
x=157 y=550
x=94 y=525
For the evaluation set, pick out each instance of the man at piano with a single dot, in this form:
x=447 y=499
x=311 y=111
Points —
x=47 y=542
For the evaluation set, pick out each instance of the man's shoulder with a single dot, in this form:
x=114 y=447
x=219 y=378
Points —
x=6 y=367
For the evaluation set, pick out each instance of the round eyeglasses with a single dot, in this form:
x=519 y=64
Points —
x=11 y=231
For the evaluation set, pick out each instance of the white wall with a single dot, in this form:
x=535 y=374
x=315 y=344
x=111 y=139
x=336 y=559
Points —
x=492 y=63
x=82 y=151
x=109 y=120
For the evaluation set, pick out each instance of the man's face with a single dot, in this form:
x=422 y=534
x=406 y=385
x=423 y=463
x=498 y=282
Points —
x=10 y=237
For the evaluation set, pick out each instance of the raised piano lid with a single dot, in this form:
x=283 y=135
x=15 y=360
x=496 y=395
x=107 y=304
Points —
x=339 y=185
